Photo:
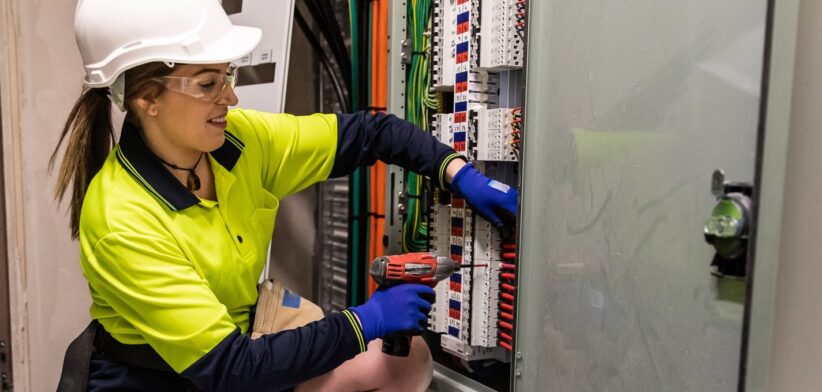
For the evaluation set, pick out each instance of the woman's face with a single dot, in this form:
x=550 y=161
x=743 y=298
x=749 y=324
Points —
x=188 y=122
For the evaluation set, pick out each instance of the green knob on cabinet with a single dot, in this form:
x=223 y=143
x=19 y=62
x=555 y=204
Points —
x=728 y=226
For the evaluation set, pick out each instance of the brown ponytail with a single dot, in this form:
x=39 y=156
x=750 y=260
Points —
x=90 y=138
x=90 y=135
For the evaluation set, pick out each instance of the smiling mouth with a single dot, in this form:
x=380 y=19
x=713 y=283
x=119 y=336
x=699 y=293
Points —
x=217 y=120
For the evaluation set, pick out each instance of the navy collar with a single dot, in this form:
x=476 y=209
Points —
x=144 y=166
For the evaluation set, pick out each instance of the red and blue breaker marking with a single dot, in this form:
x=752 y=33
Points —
x=462 y=53
x=463 y=21
x=461 y=85
x=456 y=253
x=454 y=309
x=455 y=283
x=457 y=226
x=460 y=117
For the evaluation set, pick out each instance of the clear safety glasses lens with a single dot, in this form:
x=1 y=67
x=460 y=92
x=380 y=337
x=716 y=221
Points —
x=207 y=88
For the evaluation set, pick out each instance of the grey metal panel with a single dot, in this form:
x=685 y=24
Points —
x=629 y=108
x=797 y=312
x=772 y=189
x=396 y=105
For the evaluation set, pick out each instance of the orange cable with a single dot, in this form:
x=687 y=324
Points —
x=379 y=93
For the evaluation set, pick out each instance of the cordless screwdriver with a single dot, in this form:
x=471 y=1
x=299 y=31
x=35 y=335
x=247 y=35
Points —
x=420 y=267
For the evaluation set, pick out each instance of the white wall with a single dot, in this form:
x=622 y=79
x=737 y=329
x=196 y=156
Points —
x=40 y=77
x=797 y=340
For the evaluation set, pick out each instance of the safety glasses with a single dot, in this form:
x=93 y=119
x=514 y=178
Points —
x=207 y=87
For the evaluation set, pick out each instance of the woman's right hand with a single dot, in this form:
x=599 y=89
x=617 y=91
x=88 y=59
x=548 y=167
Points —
x=402 y=308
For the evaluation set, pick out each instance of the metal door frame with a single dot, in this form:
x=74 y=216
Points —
x=6 y=374
x=771 y=159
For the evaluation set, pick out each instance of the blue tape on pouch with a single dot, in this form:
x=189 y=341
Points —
x=291 y=300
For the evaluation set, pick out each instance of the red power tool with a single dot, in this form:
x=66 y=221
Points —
x=423 y=268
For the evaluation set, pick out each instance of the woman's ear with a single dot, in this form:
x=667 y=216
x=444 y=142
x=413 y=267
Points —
x=147 y=106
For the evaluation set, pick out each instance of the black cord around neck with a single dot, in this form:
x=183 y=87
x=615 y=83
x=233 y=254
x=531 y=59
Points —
x=193 y=181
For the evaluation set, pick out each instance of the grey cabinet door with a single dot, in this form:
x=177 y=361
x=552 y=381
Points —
x=631 y=105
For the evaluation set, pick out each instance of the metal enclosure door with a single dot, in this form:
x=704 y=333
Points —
x=631 y=105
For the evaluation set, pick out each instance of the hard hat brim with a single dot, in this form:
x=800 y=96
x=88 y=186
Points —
x=238 y=42
x=233 y=45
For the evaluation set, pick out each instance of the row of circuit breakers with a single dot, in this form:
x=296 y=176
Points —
x=477 y=55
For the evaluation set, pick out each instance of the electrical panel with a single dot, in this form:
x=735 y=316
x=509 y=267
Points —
x=261 y=74
x=477 y=58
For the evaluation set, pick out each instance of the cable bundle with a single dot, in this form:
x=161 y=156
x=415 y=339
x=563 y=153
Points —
x=334 y=56
x=507 y=296
x=418 y=101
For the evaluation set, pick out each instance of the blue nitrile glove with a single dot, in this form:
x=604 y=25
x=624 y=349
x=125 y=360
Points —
x=401 y=308
x=486 y=196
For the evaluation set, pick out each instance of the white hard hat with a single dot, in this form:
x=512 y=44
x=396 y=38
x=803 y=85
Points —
x=116 y=35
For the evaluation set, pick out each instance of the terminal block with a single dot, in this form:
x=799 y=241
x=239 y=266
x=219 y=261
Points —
x=501 y=43
x=496 y=133
x=443 y=41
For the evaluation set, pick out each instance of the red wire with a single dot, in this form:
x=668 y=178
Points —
x=506 y=310
x=509 y=255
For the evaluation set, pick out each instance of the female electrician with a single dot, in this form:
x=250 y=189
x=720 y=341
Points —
x=174 y=220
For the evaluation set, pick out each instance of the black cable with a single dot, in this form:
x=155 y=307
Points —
x=338 y=40
x=332 y=34
x=363 y=37
x=315 y=44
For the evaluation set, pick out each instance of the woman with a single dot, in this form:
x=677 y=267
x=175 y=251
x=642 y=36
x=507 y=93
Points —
x=174 y=221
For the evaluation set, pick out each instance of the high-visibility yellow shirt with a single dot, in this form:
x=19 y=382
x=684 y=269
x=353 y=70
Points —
x=180 y=273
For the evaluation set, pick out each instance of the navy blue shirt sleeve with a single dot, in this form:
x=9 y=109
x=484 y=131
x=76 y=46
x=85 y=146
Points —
x=278 y=361
x=363 y=138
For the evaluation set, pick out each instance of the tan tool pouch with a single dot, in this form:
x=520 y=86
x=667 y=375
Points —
x=279 y=308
